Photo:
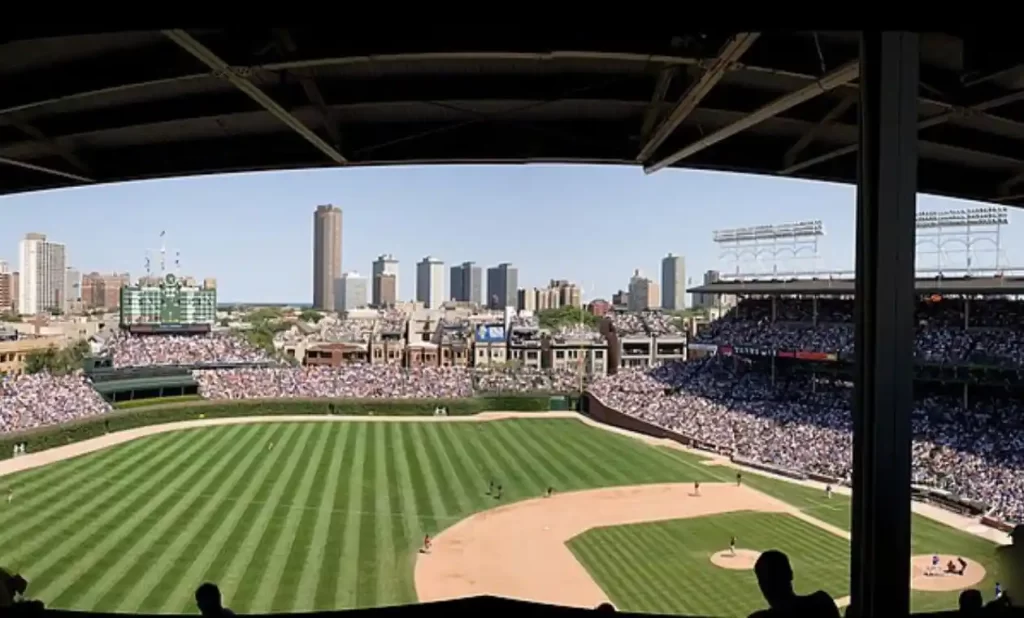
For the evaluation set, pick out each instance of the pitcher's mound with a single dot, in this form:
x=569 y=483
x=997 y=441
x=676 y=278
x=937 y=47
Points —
x=743 y=560
x=924 y=577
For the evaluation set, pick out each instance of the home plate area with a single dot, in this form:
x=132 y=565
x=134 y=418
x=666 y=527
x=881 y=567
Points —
x=944 y=574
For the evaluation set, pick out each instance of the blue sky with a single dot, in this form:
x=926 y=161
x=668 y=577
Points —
x=590 y=224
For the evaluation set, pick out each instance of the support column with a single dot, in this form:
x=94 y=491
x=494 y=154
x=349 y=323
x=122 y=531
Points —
x=884 y=318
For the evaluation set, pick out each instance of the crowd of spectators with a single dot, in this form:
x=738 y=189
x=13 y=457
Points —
x=987 y=332
x=804 y=424
x=376 y=381
x=146 y=351
x=645 y=323
x=577 y=332
x=351 y=381
x=391 y=321
x=454 y=332
x=29 y=401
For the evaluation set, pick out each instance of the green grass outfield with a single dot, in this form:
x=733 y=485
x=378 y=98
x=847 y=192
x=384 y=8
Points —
x=332 y=515
x=665 y=567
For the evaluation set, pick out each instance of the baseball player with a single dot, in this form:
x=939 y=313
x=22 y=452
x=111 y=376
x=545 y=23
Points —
x=828 y=491
x=426 y=543
x=551 y=490
x=739 y=478
x=10 y=495
x=696 y=488
x=497 y=496
x=732 y=546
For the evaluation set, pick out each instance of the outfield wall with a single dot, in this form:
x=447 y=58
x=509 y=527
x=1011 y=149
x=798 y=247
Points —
x=45 y=438
x=600 y=412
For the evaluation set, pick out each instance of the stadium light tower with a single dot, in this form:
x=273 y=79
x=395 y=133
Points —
x=960 y=238
x=162 y=253
x=781 y=249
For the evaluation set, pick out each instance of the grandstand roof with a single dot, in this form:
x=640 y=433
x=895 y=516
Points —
x=84 y=108
x=842 y=287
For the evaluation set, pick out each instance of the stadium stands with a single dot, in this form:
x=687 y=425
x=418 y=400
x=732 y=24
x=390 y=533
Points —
x=948 y=332
x=146 y=351
x=798 y=417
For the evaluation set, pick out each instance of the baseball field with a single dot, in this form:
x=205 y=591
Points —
x=297 y=516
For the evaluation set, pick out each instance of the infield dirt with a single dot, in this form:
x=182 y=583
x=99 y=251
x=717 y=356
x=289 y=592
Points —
x=520 y=550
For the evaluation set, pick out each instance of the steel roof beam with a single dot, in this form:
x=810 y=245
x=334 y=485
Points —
x=55 y=146
x=728 y=56
x=310 y=87
x=665 y=77
x=946 y=116
x=830 y=118
x=207 y=57
x=834 y=79
x=44 y=170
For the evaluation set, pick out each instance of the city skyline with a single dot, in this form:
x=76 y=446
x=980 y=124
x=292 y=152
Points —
x=251 y=231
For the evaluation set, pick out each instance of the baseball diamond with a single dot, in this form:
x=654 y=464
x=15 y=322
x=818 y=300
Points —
x=335 y=513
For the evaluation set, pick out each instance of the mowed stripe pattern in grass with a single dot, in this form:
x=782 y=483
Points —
x=289 y=516
x=665 y=567
x=928 y=536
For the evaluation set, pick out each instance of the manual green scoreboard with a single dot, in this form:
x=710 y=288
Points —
x=168 y=304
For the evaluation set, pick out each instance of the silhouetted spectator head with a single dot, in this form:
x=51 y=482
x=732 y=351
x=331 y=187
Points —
x=970 y=601
x=10 y=587
x=208 y=600
x=605 y=607
x=1018 y=535
x=774 y=577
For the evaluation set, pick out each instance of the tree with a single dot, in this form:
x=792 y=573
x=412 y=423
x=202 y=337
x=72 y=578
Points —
x=9 y=316
x=264 y=314
x=554 y=319
x=311 y=315
x=57 y=361
x=38 y=361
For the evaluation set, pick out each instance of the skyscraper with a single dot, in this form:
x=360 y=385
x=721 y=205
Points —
x=326 y=255
x=42 y=281
x=384 y=290
x=349 y=292
x=430 y=282
x=643 y=293
x=502 y=284
x=7 y=293
x=384 y=265
x=466 y=283
x=673 y=282
x=72 y=288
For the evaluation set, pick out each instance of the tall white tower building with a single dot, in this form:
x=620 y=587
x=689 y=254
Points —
x=349 y=292
x=42 y=281
x=673 y=283
x=430 y=282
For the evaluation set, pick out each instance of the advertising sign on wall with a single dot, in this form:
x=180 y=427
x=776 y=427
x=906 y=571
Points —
x=490 y=333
